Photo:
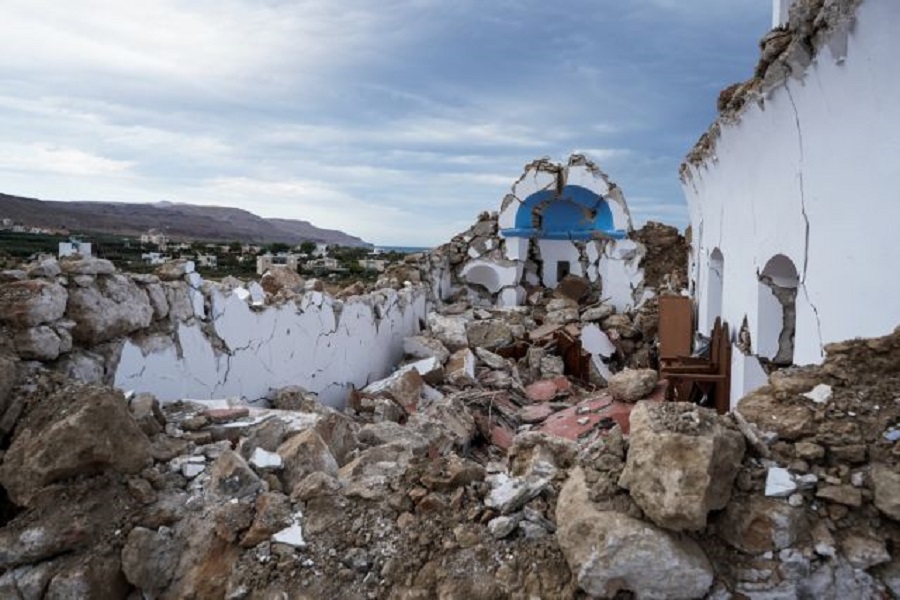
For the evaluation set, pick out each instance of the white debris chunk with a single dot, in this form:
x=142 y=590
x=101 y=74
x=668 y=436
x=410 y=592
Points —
x=779 y=483
x=265 y=460
x=819 y=394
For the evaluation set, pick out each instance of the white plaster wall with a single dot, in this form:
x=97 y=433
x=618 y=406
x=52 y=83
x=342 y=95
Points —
x=554 y=251
x=746 y=376
x=825 y=151
x=620 y=273
x=309 y=344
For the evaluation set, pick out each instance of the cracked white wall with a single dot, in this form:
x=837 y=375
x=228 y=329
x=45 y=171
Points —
x=309 y=344
x=812 y=175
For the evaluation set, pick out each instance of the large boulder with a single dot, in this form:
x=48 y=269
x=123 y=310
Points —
x=632 y=385
x=114 y=306
x=31 y=302
x=81 y=430
x=610 y=552
x=682 y=461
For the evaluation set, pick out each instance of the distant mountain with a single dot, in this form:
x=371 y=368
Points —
x=178 y=221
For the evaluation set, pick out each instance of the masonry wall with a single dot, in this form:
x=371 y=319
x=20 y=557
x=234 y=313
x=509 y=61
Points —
x=324 y=346
x=812 y=174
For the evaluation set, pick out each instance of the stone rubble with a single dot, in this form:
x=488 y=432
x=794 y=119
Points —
x=514 y=452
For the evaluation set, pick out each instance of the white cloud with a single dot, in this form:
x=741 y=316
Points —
x=54 y=159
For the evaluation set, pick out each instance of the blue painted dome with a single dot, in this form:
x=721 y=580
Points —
x=576 y=213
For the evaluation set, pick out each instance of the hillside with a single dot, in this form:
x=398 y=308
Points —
x=178 y=221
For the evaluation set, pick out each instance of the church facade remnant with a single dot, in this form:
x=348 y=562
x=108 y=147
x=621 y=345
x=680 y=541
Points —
x=789 y=190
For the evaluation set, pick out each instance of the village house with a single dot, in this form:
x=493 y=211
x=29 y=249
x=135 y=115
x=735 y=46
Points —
x=266 y=261
x=74 y=248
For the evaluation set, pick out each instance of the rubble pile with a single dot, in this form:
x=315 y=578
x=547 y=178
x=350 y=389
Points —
x=411 y=492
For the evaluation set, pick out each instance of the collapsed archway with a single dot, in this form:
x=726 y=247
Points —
x=777 y=310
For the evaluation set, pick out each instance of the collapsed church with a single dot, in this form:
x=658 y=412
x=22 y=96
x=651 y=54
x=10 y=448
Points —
x=495 y=418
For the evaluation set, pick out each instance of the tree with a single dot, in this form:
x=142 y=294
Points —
x=307 y=247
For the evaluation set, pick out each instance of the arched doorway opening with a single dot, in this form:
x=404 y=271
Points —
x=777 y=310
x=714 y=281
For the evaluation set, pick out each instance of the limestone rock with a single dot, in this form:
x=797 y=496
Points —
x=610 y=552
x=886 y=483
x=449 y=330
x=147 y=413
x=174 y=270
x=631 y=385
x=114 y=307
x=789 y=420
x=32 y=302
x=231 y=477
x=403 y=387
x=303 y=454
x=8 y=377
x=420 y=346
x=273 y=513
x=574 y=287
x=94 y=432
x=490 y=334
x=86 y=265
x=864 y=551
x=149 y=559
x=157 y=296
x=40 y=343
x=757 y=524
x=460 y=370
x=682 y=461
x=295 y=397
x=281 y=278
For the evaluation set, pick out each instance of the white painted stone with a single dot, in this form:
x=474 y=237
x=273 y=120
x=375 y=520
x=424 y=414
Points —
x=819 y=394
x=511 y=296
x=619 y=269
x=552 y=253
x=265 y=460
x=291 y=536
x=257 y=294
x=191 y=470
x=194 y=279
x=779 y=483
x=492 y=275
x=595 y=341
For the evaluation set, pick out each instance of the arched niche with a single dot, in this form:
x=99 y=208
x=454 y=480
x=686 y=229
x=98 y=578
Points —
x=714 y=287
x=776 y=310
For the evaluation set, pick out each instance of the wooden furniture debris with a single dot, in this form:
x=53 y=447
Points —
x=705 y=380
x=676 y=326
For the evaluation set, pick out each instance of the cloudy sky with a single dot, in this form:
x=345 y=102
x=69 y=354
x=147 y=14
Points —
x=395 y=120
